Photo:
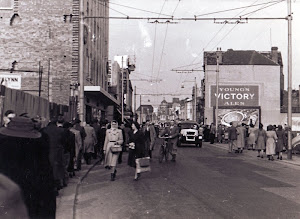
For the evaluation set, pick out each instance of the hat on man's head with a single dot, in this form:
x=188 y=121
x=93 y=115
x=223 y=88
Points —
x=21 y=127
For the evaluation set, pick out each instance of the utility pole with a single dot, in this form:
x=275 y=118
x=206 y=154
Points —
x=217 y=88
x=195 y=95
x=122 y=92
x=134 y=108
x=81 y=75
x=141 y=109
x=289 y=115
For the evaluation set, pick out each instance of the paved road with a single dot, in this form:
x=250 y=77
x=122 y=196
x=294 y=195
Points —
x=204 y=183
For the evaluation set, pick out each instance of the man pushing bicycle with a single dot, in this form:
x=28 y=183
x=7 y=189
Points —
x=173 y=136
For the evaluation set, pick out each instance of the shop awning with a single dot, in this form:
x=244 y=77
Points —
x=99 y=92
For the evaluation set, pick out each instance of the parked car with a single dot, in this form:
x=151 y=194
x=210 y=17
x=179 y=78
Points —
x=189 y=133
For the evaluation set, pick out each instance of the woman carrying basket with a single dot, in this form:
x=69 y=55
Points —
x=112 y=148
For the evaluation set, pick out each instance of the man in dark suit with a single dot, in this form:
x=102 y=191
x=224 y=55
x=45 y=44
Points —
x=173 y=132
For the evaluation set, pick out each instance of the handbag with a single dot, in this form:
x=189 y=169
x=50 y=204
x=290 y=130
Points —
x=115 y=148
x=144 y=162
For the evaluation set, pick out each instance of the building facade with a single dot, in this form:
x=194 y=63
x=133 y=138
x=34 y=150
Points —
x=250 y=86
x=39 y=42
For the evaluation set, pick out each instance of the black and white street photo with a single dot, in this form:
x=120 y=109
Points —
x=138 y=109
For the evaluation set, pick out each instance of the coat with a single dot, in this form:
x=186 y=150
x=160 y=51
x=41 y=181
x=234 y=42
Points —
x=26 y=162
x=261 y=140
x=232 y=133
x=281 y=139
x=173 y=133
x=112 y=137
x=55 y=139
x=240 y=137
x=152 y=135
x=139 y=150
x=271 y=144
x=90 y=140
x=78 y=141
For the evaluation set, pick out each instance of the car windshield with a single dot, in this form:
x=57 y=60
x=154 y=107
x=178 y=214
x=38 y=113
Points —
x=187 y=125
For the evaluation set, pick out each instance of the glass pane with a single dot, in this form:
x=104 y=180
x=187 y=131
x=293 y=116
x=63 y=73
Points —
x=6 y=4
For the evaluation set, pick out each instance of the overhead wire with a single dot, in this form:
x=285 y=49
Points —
x=233 y=9
x=99 y=2
x=134 y=8
x=245 y=8
x=250 y=13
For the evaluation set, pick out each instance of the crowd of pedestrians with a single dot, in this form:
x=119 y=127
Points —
x=270 y=142
x=40 y=157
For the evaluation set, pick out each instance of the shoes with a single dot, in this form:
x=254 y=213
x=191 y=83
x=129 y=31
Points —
x=280 y=158
x=258 y=155
x=262 y=156
x=272 y=159
x=137 y=177
x=112 y=177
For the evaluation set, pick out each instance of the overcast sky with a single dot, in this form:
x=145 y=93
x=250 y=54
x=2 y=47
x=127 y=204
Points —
x=182 y=44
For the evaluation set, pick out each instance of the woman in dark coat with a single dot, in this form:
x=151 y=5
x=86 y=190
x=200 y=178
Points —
x=280 y=142
x=24 y=158
x=136 y=144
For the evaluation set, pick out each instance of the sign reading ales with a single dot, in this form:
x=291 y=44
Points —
x=235 y=95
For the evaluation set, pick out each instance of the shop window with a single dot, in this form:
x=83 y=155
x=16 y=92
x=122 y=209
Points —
x=6 y=4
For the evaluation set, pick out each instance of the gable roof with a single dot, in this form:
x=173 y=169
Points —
x=239 y=57
x=149 y=107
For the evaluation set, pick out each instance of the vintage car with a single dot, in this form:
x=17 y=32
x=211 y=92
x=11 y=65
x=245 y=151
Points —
x=189 y=133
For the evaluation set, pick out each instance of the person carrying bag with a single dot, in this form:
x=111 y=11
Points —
x=137 y=157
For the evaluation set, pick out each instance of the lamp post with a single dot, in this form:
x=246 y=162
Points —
x=289 y=114
x=217 y=87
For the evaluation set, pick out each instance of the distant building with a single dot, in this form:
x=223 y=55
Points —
x=145 y=112
x=250 y=86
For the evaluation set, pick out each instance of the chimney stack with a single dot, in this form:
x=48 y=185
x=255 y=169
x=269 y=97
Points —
x=219 y=55
x=274 y=54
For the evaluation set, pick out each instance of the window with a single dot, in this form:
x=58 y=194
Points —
x=6 y=4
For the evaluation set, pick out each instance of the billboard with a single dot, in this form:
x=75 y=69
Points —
x=12 y=81
x=235 y=95
x=243 y=115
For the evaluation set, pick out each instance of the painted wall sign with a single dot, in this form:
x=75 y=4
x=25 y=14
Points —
x=12 y=81
x=235 y=95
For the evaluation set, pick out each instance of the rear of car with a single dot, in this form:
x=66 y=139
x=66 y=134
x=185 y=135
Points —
x=189 y=134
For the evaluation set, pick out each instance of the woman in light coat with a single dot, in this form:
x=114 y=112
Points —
x=271 y=142
x=261 y=141
x=113 y=137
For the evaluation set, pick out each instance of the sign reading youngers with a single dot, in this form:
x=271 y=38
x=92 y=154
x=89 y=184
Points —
x=235 y=95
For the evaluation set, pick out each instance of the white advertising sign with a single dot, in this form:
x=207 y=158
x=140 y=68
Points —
x=11 y=80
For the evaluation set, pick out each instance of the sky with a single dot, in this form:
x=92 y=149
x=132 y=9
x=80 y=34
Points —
x=158 y=48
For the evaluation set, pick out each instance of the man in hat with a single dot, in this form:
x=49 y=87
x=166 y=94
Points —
x=24 y=158
x=8 y=115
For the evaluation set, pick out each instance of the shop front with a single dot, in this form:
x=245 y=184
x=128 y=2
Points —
x=99 y=104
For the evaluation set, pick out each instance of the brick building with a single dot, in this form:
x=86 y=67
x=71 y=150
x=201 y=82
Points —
x=44 y=35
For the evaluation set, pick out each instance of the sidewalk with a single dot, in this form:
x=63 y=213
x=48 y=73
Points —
x=295 y=157
x=66 y=200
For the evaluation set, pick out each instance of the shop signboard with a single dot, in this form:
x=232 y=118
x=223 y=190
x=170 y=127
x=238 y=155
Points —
x=235 y=95
x=12 y=81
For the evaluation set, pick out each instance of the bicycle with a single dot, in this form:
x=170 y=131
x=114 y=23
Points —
x=163 y=151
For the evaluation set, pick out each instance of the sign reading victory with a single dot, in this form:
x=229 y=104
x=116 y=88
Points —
x=235 y=95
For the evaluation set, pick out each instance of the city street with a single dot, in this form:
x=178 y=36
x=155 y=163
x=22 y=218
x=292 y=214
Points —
x=205 y=182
